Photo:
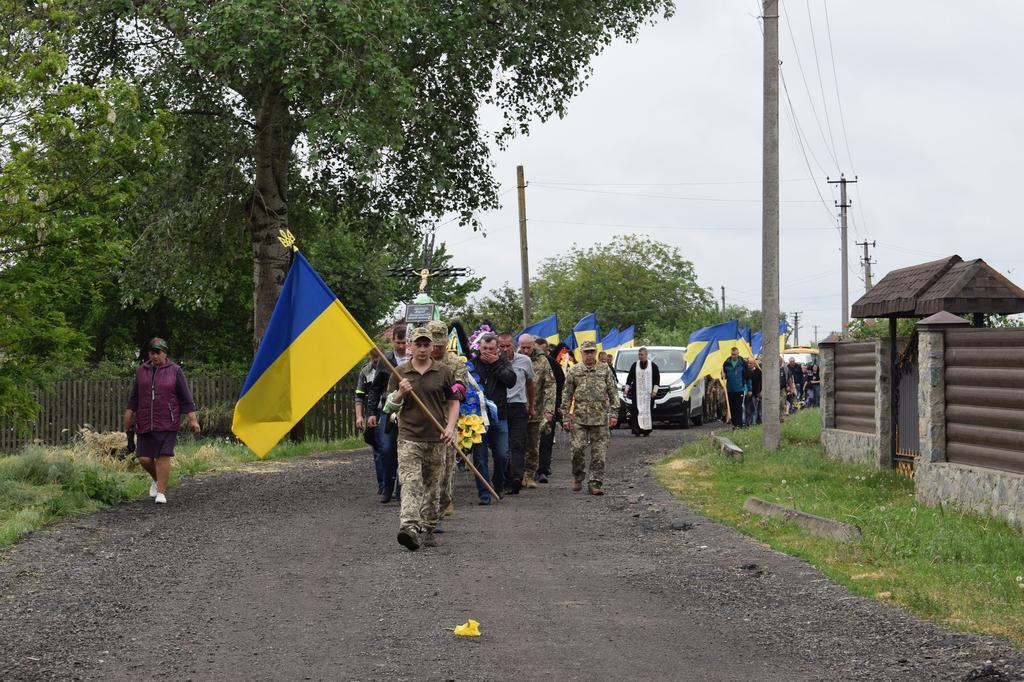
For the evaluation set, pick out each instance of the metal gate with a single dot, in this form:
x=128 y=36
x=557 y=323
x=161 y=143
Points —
x=905 y=409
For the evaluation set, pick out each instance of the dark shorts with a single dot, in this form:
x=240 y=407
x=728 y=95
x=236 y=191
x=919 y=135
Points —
x=155 y=444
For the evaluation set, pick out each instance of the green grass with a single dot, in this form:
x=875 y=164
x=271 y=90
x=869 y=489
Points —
x=43 y=484
x=951 y=567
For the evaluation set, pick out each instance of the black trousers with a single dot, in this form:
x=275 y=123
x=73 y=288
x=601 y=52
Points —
x=736 y=408
x=547 y=444
x=518 y=433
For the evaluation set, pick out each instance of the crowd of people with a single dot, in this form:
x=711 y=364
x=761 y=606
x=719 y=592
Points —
x=799 y=386
x=505 y=400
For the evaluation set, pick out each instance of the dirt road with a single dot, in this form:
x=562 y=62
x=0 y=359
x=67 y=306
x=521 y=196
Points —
x=291 y=571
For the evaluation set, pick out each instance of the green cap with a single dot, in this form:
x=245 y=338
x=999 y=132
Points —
x=158 y=344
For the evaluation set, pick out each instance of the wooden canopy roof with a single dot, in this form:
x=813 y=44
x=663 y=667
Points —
x=951 y=284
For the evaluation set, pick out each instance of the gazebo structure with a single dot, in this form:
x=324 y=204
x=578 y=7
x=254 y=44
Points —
x=971 y=289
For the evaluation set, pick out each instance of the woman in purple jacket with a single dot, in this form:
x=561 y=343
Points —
x=159 y=396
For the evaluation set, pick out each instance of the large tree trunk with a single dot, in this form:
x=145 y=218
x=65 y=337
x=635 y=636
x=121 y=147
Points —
x=268 y=206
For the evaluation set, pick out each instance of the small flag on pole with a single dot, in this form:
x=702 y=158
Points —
x=312 y=341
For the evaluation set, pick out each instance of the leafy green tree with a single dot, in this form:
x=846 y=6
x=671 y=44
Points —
x=630 y=280
x=72 y=156
x=373 y=104
x=501 y=308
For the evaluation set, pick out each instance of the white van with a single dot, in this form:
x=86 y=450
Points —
x=669 y=405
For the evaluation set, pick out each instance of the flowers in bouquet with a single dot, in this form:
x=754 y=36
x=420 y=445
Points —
x=471 y=430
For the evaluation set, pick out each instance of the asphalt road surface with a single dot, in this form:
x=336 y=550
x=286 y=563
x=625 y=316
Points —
x=291 y=571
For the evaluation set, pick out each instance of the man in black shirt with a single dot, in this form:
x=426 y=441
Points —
x=496 y=377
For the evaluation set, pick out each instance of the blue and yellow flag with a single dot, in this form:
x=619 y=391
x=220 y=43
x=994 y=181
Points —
x=545 y=329
x=627 y=337
x=310 y=344
x=610 y=343
x=708 y=349
x=585 y=330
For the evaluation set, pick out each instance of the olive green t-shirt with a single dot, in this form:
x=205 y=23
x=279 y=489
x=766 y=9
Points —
x=434 y=387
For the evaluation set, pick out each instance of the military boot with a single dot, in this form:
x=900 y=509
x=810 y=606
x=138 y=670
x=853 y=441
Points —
x=595 y=489
x=528 y=482
x=577 y=486
x=429 y=540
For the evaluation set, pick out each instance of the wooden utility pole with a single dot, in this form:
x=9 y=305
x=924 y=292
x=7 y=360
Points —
x=843 y=205
x=524 y=252
x=770 y=227
x=867 y=262
x=723 y=300
x=815 y=335
x=796 y=328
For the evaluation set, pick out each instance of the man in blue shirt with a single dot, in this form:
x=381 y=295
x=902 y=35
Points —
x=734 y=371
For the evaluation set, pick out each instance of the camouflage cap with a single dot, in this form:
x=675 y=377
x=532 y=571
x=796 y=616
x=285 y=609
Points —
x=588 y=345
x=421 y=333
x=438 y=332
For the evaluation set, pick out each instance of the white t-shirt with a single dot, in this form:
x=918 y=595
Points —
x=523 y=367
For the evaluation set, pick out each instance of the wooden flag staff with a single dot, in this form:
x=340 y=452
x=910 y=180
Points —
x=419 y=401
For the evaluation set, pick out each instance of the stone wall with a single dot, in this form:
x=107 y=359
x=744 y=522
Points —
x=850 y=446
x=974 y=489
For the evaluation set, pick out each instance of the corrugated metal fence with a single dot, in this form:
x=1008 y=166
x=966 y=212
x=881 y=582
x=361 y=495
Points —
x=856 y=364
x=100 y=403
x=985 y=398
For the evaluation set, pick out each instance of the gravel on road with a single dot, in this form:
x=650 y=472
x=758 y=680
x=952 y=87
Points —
x=291 y=570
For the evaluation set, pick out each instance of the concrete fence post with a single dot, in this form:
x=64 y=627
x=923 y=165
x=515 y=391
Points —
x=827 y=360
x=884 y=427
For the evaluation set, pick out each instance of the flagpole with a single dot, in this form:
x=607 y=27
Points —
x=415 y=396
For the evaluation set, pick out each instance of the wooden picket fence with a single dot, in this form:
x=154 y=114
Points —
x=100 y=403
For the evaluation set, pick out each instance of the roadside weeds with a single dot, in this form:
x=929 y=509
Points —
x=960 y=570
x=43 y=484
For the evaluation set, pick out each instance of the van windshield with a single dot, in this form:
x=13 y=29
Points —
x=667 y=359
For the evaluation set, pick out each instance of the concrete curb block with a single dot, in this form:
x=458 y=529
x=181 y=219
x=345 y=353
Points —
x=818 y=526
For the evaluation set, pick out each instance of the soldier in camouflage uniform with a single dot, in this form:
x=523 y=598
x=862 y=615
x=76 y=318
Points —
x=421 y=449
x=543 y=405
x=440 y=353
x=593 y=396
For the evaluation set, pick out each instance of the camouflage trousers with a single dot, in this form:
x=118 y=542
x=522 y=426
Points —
x=533 y=433
x=597 y=437
x=447 y=481
x=420 y=467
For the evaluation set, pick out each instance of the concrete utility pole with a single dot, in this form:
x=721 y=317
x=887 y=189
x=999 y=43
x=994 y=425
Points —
x=723 y=300
x=815 y=335
x=843 y=205
x=524 y=252
x=796 y=328
x=867 y=262
x=770 y=227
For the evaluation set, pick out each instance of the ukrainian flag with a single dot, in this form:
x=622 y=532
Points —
x=757 y=340
x=610 y=343
x=546 y=329
x=627 y=336
x=715 y=343
x=586 y=329
x=310 y=344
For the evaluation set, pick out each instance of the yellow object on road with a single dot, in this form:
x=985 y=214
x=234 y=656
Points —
x=470 y=628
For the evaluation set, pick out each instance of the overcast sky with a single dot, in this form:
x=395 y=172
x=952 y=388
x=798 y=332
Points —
x=933 y=102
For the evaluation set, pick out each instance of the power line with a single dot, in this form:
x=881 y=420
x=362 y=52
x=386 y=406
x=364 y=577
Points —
x=665 y=227
x=835 y=81
x=821 y=83
x=664 y=196
x=807 y=88
x=800 y=143
x=662 y=184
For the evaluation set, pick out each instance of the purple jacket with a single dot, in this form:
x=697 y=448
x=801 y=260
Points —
x=160 y=395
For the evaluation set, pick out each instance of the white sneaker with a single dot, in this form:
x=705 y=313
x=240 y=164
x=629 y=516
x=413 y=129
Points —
x=160 y=499
x=152 y=489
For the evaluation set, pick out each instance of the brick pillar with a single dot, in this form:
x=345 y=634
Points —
x=827 y=360
x=931 y=391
